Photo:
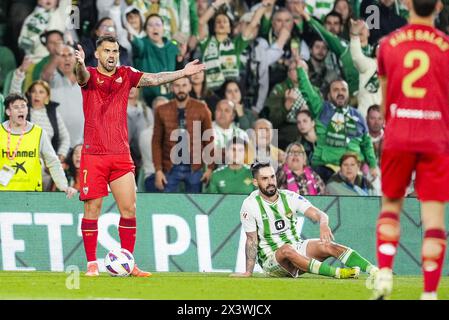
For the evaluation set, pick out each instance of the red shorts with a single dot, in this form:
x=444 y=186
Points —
x=98 y=170
x=432 y=174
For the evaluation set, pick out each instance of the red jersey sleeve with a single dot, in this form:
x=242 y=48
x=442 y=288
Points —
x=380 y=59
x=134 y=76
x=88 y=84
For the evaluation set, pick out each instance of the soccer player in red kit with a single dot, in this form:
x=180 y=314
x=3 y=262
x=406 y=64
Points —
x=106 y=158
x=413 y=68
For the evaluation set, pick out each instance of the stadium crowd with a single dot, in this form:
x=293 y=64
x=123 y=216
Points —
x=293 y=82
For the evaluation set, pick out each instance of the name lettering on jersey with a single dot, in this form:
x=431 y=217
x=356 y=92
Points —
x=419 y=35
x=21 y=154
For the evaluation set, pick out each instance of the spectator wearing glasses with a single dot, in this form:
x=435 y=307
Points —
x=295 y=175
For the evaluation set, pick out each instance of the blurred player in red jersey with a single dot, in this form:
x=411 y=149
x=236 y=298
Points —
x=413 y=68
x=106 y=155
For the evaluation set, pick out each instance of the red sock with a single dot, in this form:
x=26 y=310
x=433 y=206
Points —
x=127 y=232
x=386 y=245
x=89 y=229
x=432 y=263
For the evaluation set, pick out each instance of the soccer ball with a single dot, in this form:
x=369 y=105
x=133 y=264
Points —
x=119 y=262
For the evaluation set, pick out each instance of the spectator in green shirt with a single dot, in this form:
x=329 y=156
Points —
x=155 y=53
x=219 y=51
x=340 y=128
x=234 y=177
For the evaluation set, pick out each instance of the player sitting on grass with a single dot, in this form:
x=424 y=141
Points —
x=269 y=217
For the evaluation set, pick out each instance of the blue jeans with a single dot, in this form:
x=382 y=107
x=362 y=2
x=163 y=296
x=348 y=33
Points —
x=183 y=172
x=149 y=184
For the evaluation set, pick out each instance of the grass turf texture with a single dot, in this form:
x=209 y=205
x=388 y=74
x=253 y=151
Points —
x=191 y=286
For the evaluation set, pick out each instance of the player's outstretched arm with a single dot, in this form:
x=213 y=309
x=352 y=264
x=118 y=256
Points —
x=251 y=255
x=317 y=215
x=156 y=79
x=82 y=75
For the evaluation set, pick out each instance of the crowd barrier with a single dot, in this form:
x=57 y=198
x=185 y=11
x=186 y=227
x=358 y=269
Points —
x=180 y=232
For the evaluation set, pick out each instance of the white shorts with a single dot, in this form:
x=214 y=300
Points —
x=272 y=268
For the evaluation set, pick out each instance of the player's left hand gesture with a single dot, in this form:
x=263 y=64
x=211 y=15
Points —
x=326 y=235
x=70 y=192
x=194 y=67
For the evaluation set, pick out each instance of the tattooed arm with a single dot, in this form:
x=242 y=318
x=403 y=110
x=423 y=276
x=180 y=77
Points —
x=156 y=79
x=250 y=253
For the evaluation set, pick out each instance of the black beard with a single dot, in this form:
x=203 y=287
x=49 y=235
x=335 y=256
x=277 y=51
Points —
x=269 y=193
x=181 y=97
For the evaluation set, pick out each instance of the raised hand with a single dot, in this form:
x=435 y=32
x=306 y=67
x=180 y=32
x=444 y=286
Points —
x=356 y=27
x=26 y=63
x=194 y=67
x=80 y=55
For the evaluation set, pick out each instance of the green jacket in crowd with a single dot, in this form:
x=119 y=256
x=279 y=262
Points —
x=340 y=47
x=335 y=138
x=148 y=57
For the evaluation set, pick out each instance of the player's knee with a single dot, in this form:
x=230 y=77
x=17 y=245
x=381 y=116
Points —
x=432 y=248
x=128 y=211
x=92 y=209
x=389 y=231
x=287 y=251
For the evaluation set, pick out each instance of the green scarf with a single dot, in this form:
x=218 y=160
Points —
x=340 y=128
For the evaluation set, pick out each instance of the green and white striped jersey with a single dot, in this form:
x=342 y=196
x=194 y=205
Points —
x=275 y=223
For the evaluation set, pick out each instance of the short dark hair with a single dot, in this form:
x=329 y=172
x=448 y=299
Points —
x=102 y=39
x=374 y=107
x=44 y=36
x=424 y=8
x=13 y=97
x=316 y=39
x=306 y=112
x=334 y=14
x=257 y=165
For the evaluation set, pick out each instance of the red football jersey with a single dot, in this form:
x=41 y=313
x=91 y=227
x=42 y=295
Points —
x=105 y=100
x=415 y=61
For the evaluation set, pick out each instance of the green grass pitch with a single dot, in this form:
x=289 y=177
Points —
x=204 y=286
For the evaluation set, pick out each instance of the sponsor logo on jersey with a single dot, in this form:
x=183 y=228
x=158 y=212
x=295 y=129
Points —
x=279 y=224
x=85 y=190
